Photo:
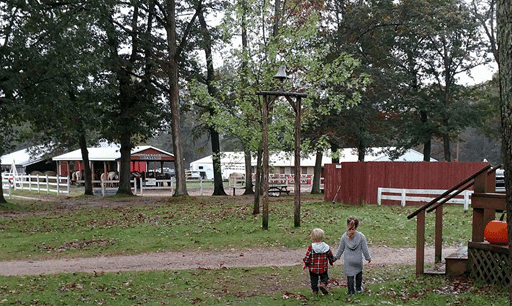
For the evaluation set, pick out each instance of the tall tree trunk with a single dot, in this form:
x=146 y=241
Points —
x=427 y=148
x=277 y=16
x=334 y=150
x=504 y=13
x=248 y=174
x=247 y=153
x=124 y=173
x=2 y=198
x=87 y=167
x=179 y=164
x=82 y=142
x=218 y=188
x=315 y=189
x=257 y=188
x=127 y=100
x=361 y=150
x=447 y=93
x=427 y=144
x=446 y=147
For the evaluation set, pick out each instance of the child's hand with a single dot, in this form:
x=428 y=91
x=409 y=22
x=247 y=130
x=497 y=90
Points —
x=304 y=267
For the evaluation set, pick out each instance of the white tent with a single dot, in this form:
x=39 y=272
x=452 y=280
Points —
x=283 y=162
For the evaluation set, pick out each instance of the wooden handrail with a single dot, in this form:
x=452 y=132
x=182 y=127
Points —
x=452 y=195
x=435 y=205
x=447 y=192
x=449 y=197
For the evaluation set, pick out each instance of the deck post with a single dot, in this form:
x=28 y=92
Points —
x=439 y=234
x=420 y=242
x=481 y=183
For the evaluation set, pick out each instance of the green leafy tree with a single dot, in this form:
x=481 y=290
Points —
x=134 y=110
x=175 y=41
x=62 y=100
x=294 y=39
x=207 y=41
x=445 y=43
x=46 y=65
x=11 y=45
x=485 y=13
x=366 y=31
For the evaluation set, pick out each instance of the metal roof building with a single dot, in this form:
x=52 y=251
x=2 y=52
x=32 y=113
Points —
x=26 y=162
x=107 y=158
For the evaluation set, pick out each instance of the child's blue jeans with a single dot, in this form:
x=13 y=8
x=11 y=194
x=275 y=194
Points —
x=314 y=277
x=359 y=283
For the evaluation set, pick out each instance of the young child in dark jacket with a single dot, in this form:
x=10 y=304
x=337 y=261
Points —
x=317 y=260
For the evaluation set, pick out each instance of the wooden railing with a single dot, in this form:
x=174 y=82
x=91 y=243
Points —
x=478 y=179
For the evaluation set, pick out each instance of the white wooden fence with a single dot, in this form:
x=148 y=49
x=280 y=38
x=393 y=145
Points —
x=39 y=183
x=6 y=185
x=420 y=195
x=110 y=187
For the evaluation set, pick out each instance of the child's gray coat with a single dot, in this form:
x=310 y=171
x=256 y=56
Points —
x=354 y=250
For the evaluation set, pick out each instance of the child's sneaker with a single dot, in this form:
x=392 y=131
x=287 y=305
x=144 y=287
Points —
x=323 y=288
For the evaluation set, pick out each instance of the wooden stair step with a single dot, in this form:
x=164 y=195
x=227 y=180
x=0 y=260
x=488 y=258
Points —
x=438 y=269
x=457 y=263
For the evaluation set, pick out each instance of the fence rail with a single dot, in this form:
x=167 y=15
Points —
x=7 y=185
x=39 y=183
x=419 y=195
x=62 y=184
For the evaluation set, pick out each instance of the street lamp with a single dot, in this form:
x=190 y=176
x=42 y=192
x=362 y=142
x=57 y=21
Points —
x=294 y=98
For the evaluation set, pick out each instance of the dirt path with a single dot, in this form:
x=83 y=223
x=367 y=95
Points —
x=381 y=256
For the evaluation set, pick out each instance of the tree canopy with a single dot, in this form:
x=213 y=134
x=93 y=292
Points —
x=376 y=73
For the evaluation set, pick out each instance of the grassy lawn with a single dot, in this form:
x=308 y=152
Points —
x=118 y=225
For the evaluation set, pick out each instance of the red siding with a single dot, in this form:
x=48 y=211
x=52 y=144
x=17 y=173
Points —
x=139 y=166
x=358 y=181
x=151 y=155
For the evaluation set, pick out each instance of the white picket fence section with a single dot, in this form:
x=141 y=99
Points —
x=420 y=195
x=7 y=185
x=39 y=183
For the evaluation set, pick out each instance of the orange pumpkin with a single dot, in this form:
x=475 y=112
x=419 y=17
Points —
x=496 y=232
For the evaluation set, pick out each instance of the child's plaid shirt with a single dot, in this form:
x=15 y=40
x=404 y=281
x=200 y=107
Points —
x=318 y=262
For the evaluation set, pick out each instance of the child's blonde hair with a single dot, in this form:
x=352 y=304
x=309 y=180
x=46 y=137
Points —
x=317 y=235
x=352 y=225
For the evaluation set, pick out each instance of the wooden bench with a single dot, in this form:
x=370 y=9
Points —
x=276 y=190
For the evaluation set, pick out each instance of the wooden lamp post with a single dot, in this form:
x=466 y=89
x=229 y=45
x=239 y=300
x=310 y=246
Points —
x=294 y=98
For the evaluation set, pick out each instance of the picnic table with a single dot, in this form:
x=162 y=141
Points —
x=276 y=190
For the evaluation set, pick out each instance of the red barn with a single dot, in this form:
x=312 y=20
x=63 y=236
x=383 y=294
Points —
x=104 y=159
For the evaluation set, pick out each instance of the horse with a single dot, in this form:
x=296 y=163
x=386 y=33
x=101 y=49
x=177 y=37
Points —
x=113 y=175
x=110 y=176
x=76 y=176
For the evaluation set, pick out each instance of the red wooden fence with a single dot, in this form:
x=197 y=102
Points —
x=358 y=181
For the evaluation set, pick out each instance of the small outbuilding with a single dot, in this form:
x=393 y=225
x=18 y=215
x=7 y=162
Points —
x=27 y=160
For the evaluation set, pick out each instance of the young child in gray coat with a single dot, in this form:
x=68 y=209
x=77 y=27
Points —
x=353 y=246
